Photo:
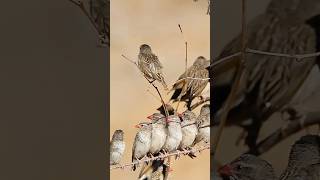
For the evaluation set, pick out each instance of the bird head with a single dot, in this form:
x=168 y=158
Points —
x=118 y=135
x=145 y=49
x=205 y=109
x=201 y=62
x=248 y=167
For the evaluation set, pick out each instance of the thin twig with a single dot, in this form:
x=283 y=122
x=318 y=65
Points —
x=186 y=46
x=227 y=106
x=200 y=103
x=184 y=152
x=293 y=127
x=294 y=56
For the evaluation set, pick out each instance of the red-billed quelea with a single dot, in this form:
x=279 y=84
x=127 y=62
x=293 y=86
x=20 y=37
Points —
x=248 y=167
x=203 y=122
x=142 y=142
x=186 y=88
x=150 y=65
x=174 y=134
x=158 y=133
x=268 y=83
x=304 y=154
x=189 y=129
x=117 y=147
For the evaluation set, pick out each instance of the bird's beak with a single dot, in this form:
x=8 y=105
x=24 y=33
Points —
x=225 y=170
x=150 y=117
x=137 y=126
x=180 y=115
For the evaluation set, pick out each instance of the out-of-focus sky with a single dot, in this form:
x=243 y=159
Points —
x=154 y=22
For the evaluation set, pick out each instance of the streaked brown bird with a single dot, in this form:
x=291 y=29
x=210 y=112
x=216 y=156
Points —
x=248 y=167
x=268 y=83
x=304 y=154
x=117 y=147
x=142 y=142
x=150 y=65
x=100 y=13
x=192 y=82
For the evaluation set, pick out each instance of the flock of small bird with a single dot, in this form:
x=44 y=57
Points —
x=167 y=131
x=303 y=164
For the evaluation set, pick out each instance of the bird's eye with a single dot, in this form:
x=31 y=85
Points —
x=239 y=167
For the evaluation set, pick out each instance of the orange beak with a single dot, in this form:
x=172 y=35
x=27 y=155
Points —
x=150 y=117
x=180 y=115
x=137 y=126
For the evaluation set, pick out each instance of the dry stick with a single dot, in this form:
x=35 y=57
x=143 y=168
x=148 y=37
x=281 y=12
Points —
x=164 y=106
x=81 y=6
x=235 y=86
x=184 y=152
x=282 y=133
x=295 y=56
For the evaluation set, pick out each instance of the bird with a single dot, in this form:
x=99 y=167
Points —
x=185 y=88
x=311 y=172
x=158 y=170
x=268 y=83
x=304 y=153
x=158 y=132
x=117 y=147
x=174 y=134
x=100 y=14
x=142 y=142
x=203 y=124
x=150 y=66
x=189 y=129
x=248 y=167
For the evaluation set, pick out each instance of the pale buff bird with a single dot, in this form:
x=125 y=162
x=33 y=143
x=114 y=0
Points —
x=117 y=147
x=142 y=142
x=269 y=83
x=189 y=129
x=174 y=134
x=248 y=167
x=150 y=65
x=157 y=170
x=304 y=155
x=158 y=133
x=100 y=13
x=186 y=89
x=203 y=123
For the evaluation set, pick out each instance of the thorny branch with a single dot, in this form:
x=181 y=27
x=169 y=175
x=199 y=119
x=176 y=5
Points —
x=293 y=127
x=184 y=152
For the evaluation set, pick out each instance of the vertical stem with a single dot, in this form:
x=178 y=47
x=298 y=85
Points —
x=227 y=106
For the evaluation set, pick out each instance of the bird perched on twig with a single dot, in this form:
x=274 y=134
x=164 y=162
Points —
x=150 y=66
x=192 y=82
x=142 y=142
x=305 y=154
x=189 y=129
x=100 y=13
x=158 y=170
x=158 y=132
x=268 y=83
x=203 y=123
x=248 y=167
x=174 y=134
x=117 y=147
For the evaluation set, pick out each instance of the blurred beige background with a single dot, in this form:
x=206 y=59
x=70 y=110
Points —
x=154 y=22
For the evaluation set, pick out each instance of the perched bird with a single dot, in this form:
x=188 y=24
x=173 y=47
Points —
x=158 y=133
x=189 y=129
x=248 y=167
x=150 y=65
x=100 y=14
x=203 y=123
x=186 y=89
x=117 y=147
x=311 y=172
x=174 y=134
x=142 y=142
x=158 y=170
x=268 y=83
x=304 y=154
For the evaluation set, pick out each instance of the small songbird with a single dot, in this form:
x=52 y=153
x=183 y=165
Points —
x=189 y=129
x=150 y=66
x=203 y=122
x=158 y=170
x=158 y=133
x=248 y=167
x=304 y=153
x=174 y=133
x=142 y=142
x=117 y=147
x=186 y=88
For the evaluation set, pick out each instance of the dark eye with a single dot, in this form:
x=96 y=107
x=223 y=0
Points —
x=239 y=167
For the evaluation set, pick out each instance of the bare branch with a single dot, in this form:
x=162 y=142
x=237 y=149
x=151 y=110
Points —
x=293 y=127
x=295 y=56
x=186 y=45
x=184 y=152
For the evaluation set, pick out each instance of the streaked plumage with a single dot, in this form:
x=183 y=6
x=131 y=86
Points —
x=100 y=13
x=249 y=167
x=156 y=170
x=304 y=153
x=188 y=89
x=150 y=65
x=117 y=147
x=268 y=83
x=142 y=142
